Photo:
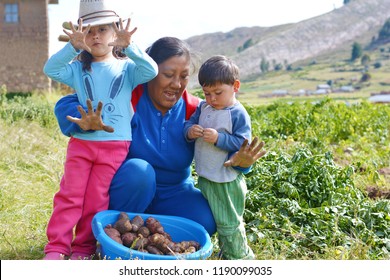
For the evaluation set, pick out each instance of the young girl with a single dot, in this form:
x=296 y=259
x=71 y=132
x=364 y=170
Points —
x=100 y=74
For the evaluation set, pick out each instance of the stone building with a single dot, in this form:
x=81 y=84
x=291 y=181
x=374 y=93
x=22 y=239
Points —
x=24 y=44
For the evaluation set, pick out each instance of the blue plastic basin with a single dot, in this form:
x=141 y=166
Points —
x=180 y=229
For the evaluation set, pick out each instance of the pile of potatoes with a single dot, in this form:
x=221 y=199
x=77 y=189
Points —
x=147 y=236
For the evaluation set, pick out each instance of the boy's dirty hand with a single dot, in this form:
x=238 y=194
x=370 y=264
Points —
x=195 y=131
x=210 y=135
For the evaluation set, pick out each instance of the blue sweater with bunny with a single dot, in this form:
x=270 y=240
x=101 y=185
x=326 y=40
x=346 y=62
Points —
x=111 y=82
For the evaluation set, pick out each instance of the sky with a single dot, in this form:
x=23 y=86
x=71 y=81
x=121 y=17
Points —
x=186 y=18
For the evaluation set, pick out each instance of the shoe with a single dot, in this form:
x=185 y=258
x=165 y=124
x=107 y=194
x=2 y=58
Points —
x=80 y=256
x=54 y=256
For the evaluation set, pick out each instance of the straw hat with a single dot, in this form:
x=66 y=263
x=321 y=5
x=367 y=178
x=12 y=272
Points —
x=98 y=12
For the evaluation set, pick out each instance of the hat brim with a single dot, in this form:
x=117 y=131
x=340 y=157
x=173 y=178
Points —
x=94 y=22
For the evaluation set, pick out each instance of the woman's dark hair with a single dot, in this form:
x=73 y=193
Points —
x=167 y=47
x=218 y=69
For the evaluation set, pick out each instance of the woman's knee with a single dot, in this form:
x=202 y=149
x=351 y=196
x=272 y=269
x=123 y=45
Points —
x=133 y=186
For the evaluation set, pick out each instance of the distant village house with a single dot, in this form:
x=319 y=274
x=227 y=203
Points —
x=323 y=89
x=24 y=44
x=382 y=97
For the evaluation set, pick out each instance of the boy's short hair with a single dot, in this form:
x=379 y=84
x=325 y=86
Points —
x=218 y=69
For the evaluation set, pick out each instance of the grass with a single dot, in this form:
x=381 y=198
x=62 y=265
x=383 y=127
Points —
x=31 y=158
x=30 y=164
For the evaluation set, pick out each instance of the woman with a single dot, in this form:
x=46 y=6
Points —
x=156 y=176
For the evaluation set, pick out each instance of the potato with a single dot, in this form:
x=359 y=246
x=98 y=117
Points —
x=167 y=236
x=184 y=245
x=194 y=244
x=161 y=242
x=153 y=250
x=190 y=250
x=123 y=223
x=113 y=233
x=174 y=247
x=144 y=231
x=154 y=226
x=141 y=243
x=137 y=222
x=143 y=250
x=157 y=238
x=128 y=238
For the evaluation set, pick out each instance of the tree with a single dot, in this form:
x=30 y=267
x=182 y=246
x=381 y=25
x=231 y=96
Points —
x=365 y=77
x=278 y=67
x=377 y=64
x=384 y=33
x=356 y=51
x=365 y=60
x=248 y=43
x=264 y=65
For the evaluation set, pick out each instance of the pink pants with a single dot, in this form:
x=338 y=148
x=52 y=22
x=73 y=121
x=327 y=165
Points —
x=89 y=169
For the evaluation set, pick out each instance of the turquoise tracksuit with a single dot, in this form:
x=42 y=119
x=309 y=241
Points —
x=93 y=158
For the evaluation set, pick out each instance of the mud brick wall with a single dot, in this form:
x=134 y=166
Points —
x=24 y=46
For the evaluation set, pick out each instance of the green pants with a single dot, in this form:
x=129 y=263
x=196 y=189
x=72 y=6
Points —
x=227 y=202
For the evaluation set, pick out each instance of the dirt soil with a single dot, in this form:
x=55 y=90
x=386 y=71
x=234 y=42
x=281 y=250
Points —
x=375 y=192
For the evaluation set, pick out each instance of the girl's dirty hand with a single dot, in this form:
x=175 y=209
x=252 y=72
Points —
x=91 y=120
x=77 y=36
x=123 y=35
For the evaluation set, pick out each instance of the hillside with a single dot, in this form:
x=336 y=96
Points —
x=359 y=20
